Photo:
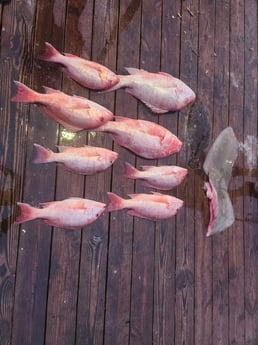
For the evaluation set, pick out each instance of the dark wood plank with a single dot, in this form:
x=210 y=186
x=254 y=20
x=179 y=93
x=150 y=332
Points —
x=123 y=279
x=66 y=245
x=11 y=162
x=220 y=121
x=117 y=327
x=91 y=316
x=250 y=201
x=35 y=240
x=235 y=233
x=165 y=231
x=144 y=230
x=203 y=253
x=185 y=227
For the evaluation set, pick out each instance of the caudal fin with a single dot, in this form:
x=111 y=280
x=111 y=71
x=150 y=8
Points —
x=24 y=94
x=43 y=155
x=130 y=171
x=27 y=213
x=50 y=53
x=120 y=85
x=115 y=202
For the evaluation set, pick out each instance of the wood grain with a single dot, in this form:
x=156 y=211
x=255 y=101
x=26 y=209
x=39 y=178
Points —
x=122 y=279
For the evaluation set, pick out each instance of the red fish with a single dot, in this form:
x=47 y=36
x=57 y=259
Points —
x=72 y=213
x=149 y=206
x=145 y=138
x=87 y=73
x=161 y=92
x=73 y=112
x=85 y=160
x=162 y=177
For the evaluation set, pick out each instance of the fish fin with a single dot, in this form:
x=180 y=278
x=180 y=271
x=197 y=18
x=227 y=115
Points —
x=64 y=148
x=134 y=195
x=87 y=150
x=166 y=74
x=153 y=108
x=157 y=193
x=27 y=213
x=50 y=90
x=24 y=94
x=124 y=81
x=115 y=202
x=66 y=125
x=137 y=214
x=43 y=154
x=134 y=71
x=147 y=167
x=69 y=127
x=130 y=171
x=148 y=184
x=70 y=55
x=120 y=118
x=50 y=223
x=46 y=204
x=60 y=226
x=50 y=53
x=63 y=166
x=81 y=99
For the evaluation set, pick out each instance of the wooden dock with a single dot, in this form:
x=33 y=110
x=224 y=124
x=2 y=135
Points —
x=125 y=280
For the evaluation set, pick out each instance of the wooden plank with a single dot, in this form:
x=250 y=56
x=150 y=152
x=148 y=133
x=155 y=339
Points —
x=117 y=326
x=165 y=231
x=250 y=201
x=91 y=316
x=185 y=227
x=144 y=230
x=220 y=121
x=11 y=160
x=35 y=240
x=66 y=245
x=203 y=253
x=235 y=233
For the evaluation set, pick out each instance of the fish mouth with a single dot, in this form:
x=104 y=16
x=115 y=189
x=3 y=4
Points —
x=191 y=98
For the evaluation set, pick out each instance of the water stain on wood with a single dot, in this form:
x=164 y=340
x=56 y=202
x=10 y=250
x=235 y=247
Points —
x=126 y=18
x=197 y=133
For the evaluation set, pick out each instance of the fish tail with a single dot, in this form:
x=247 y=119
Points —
x=130 y=171
x=121 y=84
x=27 y=213
x=115 y=202
x=24 y=94
x=50 y=53
x=43 y=154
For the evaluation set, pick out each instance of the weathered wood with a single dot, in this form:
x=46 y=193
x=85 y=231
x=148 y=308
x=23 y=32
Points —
x=250 y=200
x=125 y=280
x=95 y=239
x=220 y=111
x=144 y=230
x=10 y=177
x=203 y=253
x=118 y=303
x=34 y=246
x=235 y=233
x=165 y=231
x=185 y=227
x=66 y=245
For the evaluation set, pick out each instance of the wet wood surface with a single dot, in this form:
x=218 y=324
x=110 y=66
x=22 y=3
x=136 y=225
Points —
x=122 y=279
